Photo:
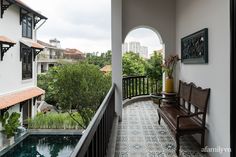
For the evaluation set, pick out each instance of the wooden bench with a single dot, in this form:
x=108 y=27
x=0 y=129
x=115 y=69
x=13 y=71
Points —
x=188 y=114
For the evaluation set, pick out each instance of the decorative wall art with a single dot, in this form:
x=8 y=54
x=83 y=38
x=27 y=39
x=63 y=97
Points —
x=194 y=48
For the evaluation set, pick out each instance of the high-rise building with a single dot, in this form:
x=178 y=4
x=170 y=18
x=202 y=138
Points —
x=143 y=52
x=125 y=48
x=134 y=46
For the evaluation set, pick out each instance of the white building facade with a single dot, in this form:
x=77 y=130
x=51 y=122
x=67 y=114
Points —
x=50 y=56
x=18 y=79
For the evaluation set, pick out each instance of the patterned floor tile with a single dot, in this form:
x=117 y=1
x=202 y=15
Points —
x=140 y=135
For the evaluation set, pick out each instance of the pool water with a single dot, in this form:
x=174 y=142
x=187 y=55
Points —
x=44 y=146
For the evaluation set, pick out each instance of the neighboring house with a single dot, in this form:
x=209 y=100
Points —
x=73 y=54
x=106 y=69
x=50 y=56
x=18 y=47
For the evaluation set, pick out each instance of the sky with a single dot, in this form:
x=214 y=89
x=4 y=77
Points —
x=146 y=37
x=84 y=24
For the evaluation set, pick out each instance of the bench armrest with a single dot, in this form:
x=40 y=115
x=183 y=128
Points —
x=187 y=116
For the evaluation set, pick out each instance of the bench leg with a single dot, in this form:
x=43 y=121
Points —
x=202 y=140
x=177 y=144
x=159 y=120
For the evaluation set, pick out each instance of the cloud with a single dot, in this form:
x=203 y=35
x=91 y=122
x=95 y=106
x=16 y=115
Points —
x=76 y=21
x=85 y=24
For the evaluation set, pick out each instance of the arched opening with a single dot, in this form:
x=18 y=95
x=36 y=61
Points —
x=143 y=51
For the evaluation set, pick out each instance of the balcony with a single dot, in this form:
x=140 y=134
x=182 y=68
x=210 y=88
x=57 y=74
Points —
x=138 y=134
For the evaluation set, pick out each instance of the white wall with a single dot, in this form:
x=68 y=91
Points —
x=116 y=35
x=156 y=14
x=194 y=15
x=11 y=66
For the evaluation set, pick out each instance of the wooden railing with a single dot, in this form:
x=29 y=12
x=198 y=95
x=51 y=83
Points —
x=94 y=140
x=139 y=85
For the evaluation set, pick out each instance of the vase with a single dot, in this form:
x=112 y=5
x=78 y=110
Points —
x=169 y=85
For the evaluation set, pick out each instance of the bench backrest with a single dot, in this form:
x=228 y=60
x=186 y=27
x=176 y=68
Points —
x=194 y=99
x=199 y=99
x=184 y=95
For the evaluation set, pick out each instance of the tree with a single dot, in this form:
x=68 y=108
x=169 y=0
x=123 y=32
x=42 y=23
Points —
x=154 y=69
x=80 y=87
x=133 y=65
x=101 y=61
x=46 y=82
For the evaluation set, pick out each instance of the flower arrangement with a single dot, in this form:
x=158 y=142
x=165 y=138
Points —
x=169 y=65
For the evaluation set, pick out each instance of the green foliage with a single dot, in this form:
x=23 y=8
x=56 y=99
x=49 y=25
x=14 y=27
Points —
x=100 y=61
x=46 y=82
x=133 y=65
x=80 y=86
x=154 y=69
x=10 y=123
x=54 y=121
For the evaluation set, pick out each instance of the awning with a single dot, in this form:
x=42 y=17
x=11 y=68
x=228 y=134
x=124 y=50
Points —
x=27 y=43
x=32 y=44
x=5 y=45
x=12 y=99
x=6 y=40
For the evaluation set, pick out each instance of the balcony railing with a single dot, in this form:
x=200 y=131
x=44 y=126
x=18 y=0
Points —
x=139 y=85
x=95 y=139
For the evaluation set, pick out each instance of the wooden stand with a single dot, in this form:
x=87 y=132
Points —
x=170 y=97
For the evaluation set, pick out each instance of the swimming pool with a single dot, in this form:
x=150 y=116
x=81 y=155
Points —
x=44 y=146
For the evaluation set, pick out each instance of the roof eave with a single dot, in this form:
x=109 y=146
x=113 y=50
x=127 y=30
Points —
x=30 y=10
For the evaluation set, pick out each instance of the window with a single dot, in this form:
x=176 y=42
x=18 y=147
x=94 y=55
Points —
x=27 y=62
x=27 y=27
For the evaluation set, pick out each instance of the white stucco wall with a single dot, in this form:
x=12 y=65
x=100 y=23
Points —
x=156 y=14
x=11 y=66
x=116 y=35
x=194 y=15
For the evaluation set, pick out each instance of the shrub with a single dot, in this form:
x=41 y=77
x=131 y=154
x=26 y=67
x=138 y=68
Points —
x=54 y=121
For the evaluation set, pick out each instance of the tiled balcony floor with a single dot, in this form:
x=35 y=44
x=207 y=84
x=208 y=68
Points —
x=139 y=135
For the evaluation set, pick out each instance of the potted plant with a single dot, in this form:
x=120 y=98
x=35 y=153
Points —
x=10 y=124
x=168 y=68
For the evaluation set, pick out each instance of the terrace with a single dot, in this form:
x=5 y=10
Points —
x=137 y=132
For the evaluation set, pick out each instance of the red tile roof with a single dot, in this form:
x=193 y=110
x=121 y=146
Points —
x=6 y=40
x=106 y=68
x=37 y=45
x=73 y=51
x=73 y=54
x=9 y=100
x=32 y=44
x=45 y=44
